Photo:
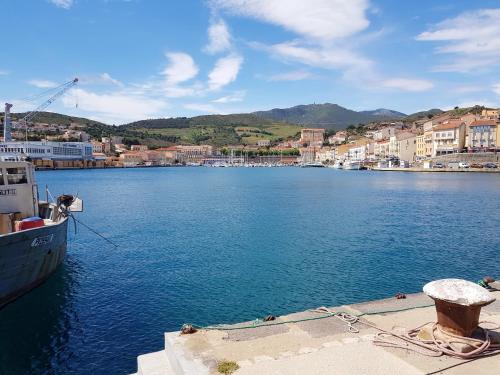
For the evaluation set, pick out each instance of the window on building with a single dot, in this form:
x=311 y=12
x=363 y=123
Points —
x=1 y=177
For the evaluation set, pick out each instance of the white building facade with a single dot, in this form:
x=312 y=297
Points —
x=48 y=150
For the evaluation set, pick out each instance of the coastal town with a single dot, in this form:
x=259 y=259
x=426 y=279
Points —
x=465 y=139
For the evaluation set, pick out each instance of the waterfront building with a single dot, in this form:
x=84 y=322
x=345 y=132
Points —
x=420 y=149
x=170 y=154
x=427 y=127
x=484 y=135
x=407 y=147
x=325 y=155
x=360 y=150
x=381 y=149
x=131 y=159
x=312 y=137
x=97 y=147
x=403 y=146
x=448 y=138
x=48 y=150
x=193 y=154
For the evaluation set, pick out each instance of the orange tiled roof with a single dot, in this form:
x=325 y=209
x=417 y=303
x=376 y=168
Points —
x=483 y=123
x=448 y=126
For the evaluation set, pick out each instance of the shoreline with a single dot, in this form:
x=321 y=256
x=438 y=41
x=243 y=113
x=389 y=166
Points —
x=411 y=169
x=442 y=170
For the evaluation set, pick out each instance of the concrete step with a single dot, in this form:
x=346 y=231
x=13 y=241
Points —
x=156 y=363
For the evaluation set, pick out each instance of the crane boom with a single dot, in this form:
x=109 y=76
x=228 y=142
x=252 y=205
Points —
x=64 y=87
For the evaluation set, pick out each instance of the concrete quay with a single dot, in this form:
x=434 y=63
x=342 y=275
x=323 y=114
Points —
x=315 y=347
x=427 y=170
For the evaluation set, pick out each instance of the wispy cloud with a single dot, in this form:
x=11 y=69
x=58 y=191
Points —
x=496 y=88
x=114 y=107
x=106 y=78
x=42 y=83
x=296 y=75
x=316 y=19
x=237 y=96
x=471 y=40
x=408 y=84
x=329 y=42
x=219 y=38
x=225 y=71
x=100 y=79
x=4 y=72
x=65 y=4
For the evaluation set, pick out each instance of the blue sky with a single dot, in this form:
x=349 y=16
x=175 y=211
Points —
x=149 y=58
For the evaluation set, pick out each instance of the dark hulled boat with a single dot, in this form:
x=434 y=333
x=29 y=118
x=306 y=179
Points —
x=33 y=233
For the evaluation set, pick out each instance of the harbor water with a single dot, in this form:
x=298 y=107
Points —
x=221 y=245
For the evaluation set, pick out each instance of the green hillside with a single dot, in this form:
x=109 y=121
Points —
x=217 y=130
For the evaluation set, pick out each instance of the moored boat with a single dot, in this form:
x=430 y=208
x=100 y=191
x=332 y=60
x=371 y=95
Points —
x=352 y=165
x=33 y=233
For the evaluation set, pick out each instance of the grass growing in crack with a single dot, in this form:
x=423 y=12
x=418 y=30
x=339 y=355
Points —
x=227 y=367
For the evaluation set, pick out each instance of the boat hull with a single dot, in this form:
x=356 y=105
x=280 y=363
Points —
x=28 y=258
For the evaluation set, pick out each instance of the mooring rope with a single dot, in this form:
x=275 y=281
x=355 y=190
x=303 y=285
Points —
x=93 y=230
x=409 y=341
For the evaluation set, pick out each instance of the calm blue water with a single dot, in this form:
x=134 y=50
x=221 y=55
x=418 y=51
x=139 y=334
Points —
x=224 y=245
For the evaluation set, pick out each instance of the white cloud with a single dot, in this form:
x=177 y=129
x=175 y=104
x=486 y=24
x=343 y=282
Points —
x=496 y=88
x=408 y=84
x=181 y=68
x=65 y=4
x=42 y=83
x=3 y=72
x=204 y=108
x=471 y=39
x=326 y=57
x=237 y=96
x=219 y=38
x=100 y=79
x=106 y=78
x=296 y=75
x=225 y=71
x=115 y=107
x=317 y=19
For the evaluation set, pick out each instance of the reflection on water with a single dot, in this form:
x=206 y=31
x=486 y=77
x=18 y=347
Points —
x=34 y=328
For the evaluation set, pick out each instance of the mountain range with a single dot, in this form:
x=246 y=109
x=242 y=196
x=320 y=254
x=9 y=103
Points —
x=327 y=115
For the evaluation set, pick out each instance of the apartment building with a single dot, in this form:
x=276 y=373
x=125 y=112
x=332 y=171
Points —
x=484 y=135
x=448 y=138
